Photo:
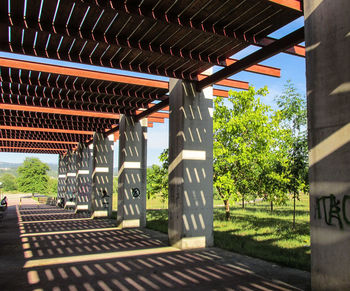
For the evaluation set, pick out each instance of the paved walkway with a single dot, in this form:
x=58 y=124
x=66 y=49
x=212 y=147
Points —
x=47 y=248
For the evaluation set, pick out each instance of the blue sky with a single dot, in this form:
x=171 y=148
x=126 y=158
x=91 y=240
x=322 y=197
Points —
x=292 y=68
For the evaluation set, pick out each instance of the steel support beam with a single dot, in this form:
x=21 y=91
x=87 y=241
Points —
x=258 y=56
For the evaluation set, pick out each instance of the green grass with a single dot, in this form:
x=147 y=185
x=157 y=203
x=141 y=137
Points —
x=156 y=202
x=257 y=232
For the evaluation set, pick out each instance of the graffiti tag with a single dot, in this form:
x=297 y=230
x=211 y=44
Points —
x=332 y=209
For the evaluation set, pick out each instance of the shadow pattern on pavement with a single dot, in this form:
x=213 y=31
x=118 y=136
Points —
x=60 y=250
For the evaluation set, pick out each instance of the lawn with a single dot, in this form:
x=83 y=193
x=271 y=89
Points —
x=257 y=232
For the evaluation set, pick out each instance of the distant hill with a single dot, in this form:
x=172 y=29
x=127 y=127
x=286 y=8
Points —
x=11 y=168
x=5 y=166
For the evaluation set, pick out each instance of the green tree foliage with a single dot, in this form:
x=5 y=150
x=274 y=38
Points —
x=292 y=108
x=32 y=176
x=245 y=140
x=157 y=178
x=155 y=181
x=8 y=182
x=52 y=186
x=115 y=185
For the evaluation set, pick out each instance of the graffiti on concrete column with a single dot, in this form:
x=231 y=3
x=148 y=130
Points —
x=104 y=196
x=333 y=210
x=136 y=192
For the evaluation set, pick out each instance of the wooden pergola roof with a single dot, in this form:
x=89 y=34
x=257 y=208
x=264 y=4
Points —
x=43 y=104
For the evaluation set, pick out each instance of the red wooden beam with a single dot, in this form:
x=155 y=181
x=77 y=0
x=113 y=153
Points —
x=76 y=97
x=38 y=141
x=296 y=50
x=38 y=149
x=117 y=40
x=166 y=108
x=293 y=4
x=26 y=77
x=155 y=119
x=51 y=117
x=259 y=69
x=228 y=83
x=160 y=15
x=59 y=111
x=274 y=48
x=116 y=136
x=27 y=128
x=220 y=93
x=83 y=73
x=155 y=108
x=156 y=114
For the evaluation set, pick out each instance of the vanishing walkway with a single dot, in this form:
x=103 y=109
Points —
x=46 y=248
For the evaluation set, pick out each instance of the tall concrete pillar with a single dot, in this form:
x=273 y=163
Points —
x=132 y=173
x=190 y=166
x=84 y=177
x=327 y=37
x=102 y=175
x=71 y=179
x=62 y=175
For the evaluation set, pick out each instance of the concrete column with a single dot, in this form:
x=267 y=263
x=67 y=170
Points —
x=327 y=36
x=62 y=175
x=71 y=180
x=132 y=173
x=84 y=177
x=102 y=175
x=190 y=166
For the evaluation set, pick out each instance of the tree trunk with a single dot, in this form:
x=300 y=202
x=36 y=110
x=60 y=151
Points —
x=294 y=211
x=227 y=209
x=271 y=205
x=243 y=201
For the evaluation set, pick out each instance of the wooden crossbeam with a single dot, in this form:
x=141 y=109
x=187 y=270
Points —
x=27 y=128
x=34 y=149
x=59 y=111
x=292 y=4
x=229 y=83
x=117 y=40
x=83 y=73
x=39 y=141
x=258 y=69
x=258 y=56
x=295 y=50
x=55 y=69
x=132 y=9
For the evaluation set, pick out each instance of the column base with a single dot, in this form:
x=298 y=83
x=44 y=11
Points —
x=129 y=223
x=69 y=204
x=100 y=213
x=81 y=208
x=186 y=243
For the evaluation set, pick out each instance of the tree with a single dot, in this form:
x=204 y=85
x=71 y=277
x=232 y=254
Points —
x=8 y=182
x=52 y=186
x=292 y=107
x=32 y=176
x=157 y=178
x=115 y=186
x=244 y=140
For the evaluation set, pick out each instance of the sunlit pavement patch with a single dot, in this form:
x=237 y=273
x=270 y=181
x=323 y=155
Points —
x=95 y=257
